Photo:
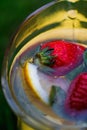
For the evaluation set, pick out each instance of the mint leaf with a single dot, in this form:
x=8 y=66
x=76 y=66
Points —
x=53 y=93
x=85 y=57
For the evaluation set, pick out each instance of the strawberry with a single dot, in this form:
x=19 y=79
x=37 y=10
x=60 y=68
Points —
x=60 y=55
x=76 y=99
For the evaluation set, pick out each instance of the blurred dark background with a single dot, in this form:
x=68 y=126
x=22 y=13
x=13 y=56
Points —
x=12 y=13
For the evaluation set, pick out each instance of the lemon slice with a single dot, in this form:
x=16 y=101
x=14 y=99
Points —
x=35 y=82
x=41 y=84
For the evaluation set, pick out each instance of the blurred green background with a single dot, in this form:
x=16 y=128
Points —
x=12 y=13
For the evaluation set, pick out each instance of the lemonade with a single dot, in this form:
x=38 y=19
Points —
x=46 y=90
x=46 y=67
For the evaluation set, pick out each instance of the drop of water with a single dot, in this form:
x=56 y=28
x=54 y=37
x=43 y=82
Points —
x=72 y=14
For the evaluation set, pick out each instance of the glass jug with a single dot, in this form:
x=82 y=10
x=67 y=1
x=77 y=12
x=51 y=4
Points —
x=45 y=97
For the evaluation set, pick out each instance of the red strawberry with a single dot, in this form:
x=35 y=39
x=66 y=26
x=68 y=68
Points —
x=76 y=99
x=60 y=55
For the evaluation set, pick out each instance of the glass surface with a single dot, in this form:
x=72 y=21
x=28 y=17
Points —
x=44 y=75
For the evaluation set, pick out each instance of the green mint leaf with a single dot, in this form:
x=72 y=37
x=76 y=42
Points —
x=54 y=91
x=47 y=70
x=85 y=57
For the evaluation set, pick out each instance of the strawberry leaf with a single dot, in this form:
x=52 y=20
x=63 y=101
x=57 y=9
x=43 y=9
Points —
x=44 y=56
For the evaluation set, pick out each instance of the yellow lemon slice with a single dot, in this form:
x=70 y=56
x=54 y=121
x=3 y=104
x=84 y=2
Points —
x=41 y=84
x=36 y=82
